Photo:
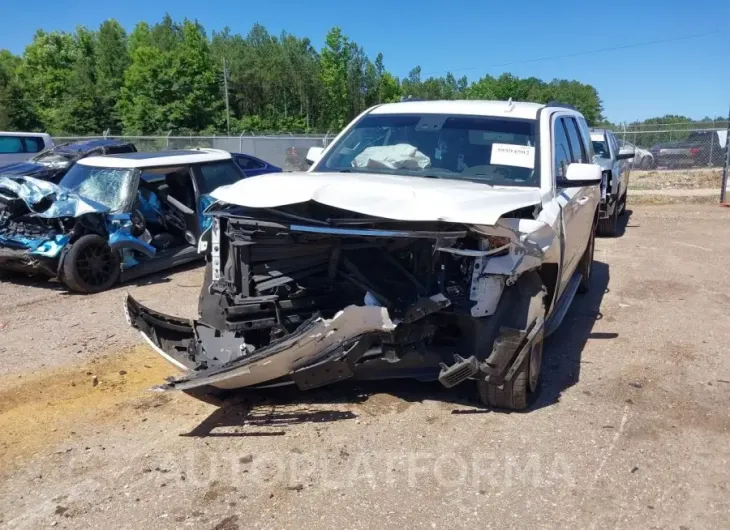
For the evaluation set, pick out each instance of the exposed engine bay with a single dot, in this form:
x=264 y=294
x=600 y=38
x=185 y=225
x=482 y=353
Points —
x=311 y=294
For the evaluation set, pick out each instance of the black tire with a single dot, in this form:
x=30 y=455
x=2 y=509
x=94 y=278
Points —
x=609 y=227
x=90 y=266
x=646 y=163
x=521 y=390
x=623 y=204
x=586 y=264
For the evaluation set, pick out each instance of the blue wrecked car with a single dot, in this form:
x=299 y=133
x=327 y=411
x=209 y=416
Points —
x=111 y=218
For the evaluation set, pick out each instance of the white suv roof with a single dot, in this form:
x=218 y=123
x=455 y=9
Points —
x=158 y=159
x=473 y=107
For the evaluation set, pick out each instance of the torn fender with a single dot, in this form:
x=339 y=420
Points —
x=493 y=268
x=175 y=338
x=120 y=241
x=530 y=242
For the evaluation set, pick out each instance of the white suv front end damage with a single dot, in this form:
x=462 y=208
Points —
x=398 y=269
x=467 y=267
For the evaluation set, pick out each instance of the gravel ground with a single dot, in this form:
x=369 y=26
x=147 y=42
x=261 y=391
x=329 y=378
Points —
x=631 y=428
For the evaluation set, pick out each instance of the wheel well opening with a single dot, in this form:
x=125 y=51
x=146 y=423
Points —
x=549 y=275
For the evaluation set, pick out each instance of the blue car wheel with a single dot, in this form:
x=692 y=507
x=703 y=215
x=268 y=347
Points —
x=91 y=266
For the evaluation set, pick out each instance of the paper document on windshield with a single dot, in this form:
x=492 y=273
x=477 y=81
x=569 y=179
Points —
x=399 y=156
x=513 y=155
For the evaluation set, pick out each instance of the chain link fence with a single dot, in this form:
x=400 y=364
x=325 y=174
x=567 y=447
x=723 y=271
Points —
x=678 y=156
x=286 y=151
x=676 y=147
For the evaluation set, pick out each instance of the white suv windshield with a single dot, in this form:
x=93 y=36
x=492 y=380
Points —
x=499 y=151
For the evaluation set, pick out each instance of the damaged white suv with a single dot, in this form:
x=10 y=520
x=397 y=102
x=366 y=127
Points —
x=431 y=240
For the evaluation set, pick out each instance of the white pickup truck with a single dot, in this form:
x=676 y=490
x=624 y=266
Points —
x=436 y=240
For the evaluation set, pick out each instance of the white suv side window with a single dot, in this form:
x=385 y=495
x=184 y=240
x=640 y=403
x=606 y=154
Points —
x=612 y=144
x=586 y=135
x=11 y=145
x=576 y=142
x=561 y=148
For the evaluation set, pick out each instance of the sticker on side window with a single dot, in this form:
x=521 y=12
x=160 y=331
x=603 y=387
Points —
x=513 y=155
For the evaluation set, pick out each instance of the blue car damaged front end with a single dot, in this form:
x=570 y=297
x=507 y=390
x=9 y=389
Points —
x=39 y=221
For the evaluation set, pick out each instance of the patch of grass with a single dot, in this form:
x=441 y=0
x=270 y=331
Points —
x=691 y=178
x=673 y=199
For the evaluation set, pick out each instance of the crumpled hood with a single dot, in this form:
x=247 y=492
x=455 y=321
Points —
x=46 y=199
x=396 y=197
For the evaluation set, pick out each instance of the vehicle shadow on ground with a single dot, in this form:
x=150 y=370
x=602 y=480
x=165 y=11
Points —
x=34 y=280
x=288 y=406
x=53 y=284
x=624 y=222
x=563 y=349
x=162 y=276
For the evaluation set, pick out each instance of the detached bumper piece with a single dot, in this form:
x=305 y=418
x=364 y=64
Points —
x=319 y=352
x=458 y=372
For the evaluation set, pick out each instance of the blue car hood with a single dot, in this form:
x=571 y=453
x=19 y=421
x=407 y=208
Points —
x=36 y=194
x=30 y=169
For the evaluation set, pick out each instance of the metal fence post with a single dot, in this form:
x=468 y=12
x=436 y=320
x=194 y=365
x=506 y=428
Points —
x=167 y=138
x=727 y=162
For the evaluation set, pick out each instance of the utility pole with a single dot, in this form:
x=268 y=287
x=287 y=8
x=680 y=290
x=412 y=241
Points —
x=727 y=161
x=225 y=87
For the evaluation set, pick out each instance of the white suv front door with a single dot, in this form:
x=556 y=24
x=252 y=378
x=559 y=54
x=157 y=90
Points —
x=577 y=204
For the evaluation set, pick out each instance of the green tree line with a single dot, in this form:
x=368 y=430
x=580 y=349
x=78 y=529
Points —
x=170 y=77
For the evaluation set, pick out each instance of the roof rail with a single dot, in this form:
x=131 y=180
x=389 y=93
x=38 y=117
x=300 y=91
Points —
x=555 y=103
x=410 y=98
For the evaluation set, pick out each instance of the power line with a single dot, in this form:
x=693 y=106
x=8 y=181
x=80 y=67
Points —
x=577 y=54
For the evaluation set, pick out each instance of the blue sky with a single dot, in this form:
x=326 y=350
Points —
x=688 y=76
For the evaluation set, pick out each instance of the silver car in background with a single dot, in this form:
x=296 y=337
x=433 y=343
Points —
x=21 y=146
x=643 y=159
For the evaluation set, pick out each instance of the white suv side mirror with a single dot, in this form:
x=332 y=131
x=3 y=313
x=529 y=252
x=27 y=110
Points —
x=578 y=175
x=314 y=154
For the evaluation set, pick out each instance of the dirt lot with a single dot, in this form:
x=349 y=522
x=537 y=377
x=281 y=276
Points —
x=631 y=430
